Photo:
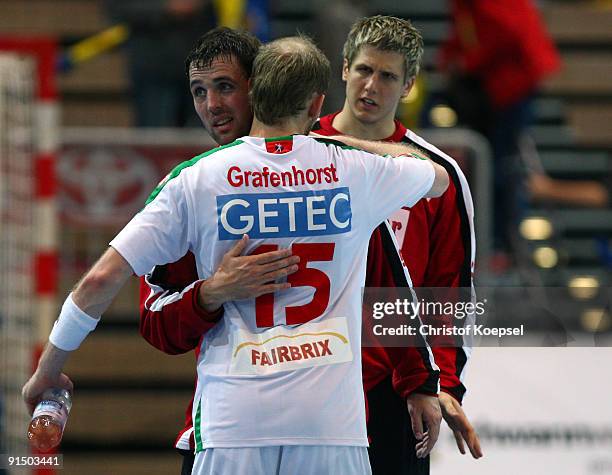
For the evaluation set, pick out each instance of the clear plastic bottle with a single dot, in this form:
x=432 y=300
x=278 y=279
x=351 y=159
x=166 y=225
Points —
x=49 y=419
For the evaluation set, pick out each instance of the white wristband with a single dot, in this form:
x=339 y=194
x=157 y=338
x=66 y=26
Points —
x=71 y=327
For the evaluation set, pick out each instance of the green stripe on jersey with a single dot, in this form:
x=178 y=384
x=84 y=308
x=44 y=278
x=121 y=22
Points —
x=197 y=433
x=180 y=167
x=342 y=145
x=417 y=155
x=278 y=139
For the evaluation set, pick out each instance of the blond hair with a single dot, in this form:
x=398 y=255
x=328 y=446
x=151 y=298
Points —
x=386 y=33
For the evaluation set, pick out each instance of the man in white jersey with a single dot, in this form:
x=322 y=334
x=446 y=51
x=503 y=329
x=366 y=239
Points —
x=279 y=378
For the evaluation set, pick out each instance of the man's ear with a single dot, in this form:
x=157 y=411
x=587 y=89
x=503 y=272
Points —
x=345 y=69
x=408 y=87
x=314 y=110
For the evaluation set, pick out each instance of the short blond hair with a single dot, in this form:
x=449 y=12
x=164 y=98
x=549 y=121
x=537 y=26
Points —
x=387 y=33
x=286 y=74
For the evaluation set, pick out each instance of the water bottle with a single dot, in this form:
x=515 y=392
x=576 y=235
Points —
x=49 y=419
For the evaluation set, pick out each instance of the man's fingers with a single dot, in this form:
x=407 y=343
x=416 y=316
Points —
x=279 y=264
x=30 y=402
x=433 y=429
x=468 y=434
x=459 y=423
x=272 y=276
x=65 y=383
x=270 y=288
x=238 y=248
x=422 y=447
x=417 y=424
x=421 y=451
x=432 y=418
x=459 y=440
x=422 y=444
x=271 y=256
x=473 y=443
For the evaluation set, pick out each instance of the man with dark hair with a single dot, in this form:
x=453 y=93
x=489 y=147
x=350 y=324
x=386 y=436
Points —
x=255 y=413
x=218 y=68
x=173 y=322
x=172 y=308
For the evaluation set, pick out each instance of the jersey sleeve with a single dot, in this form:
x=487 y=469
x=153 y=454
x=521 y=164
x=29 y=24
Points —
x=412 y=367
x=450 y=263
x=388 y=183
x=449 y=260
x=159 y=234
x=170 y=318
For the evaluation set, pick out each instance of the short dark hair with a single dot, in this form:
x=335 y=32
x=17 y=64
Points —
x=286 y=74
x=223 y=42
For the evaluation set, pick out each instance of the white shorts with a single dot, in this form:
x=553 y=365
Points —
x=284 y=460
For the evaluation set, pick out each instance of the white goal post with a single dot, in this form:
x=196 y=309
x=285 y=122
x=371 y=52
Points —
x=29 y=140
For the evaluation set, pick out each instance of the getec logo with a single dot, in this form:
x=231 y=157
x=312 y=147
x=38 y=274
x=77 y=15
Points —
x=290 y=214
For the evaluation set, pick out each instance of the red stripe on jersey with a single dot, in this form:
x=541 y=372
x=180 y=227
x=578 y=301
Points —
x=279 y=146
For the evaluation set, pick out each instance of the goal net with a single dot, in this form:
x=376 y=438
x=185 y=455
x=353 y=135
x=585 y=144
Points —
x=17 y=246
x=29 y=140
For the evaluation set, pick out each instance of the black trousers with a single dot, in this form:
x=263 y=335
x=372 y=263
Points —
x=392 y=444
x=188 y=459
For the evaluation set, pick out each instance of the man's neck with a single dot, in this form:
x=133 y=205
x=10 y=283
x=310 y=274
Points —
x=288 y=127
x=346 y=123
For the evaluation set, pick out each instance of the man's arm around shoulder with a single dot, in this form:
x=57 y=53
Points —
x=441 y=180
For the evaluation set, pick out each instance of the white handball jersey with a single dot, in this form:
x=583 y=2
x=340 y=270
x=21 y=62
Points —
x=285 y=368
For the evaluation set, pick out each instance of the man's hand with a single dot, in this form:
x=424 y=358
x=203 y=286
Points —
x=424 y=411
x=242 y=277
x=47 y=375
x=38 y=383
x=460 y=425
